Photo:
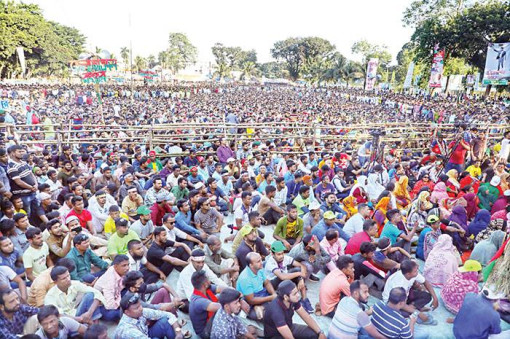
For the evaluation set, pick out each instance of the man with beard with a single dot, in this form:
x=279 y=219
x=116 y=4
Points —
x=350 y=319
x=117 y=244
x=10 y=257
x=58 y=244
x=279 y=312
x=157 y=256
x=226 y=324
x=144 y=226
x=65 y=172
x=105 y=179
x=15 y=318
x=21 y=178
x=36 y=258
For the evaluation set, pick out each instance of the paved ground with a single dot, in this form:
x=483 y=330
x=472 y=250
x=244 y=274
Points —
x=442 y=331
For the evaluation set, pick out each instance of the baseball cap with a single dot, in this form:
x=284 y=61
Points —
x=246 y=230
x=152 y=153
x=471 y=266
x=277 y=246
x=143 y=210
x=432 y=219
x=160 y=197
x=329 y=215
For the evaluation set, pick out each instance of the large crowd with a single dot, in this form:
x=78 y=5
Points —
x=91 y=232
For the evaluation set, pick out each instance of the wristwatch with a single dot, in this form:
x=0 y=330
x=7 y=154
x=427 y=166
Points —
x=320 y=332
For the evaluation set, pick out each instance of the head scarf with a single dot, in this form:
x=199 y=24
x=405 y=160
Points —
x=486 y=249
x=382 y=205
x=441 y=262
x=439 y=193
x=444 y=208
x=349 y=206
x=459 y=216
x=452 y=177
x=482 y=220
x=423 y=201
x=401 y=187
x=471 y=207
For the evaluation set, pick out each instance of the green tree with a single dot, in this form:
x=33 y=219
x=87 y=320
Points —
x=368 y=50
x=443 y=10
x=140 y=63
x=273 y=70
x=304 y=56
x=151 y=61
x=227 y=59
x=163 y=59
x=466 y=35
x=124 y=54
x=48 y=46
x=180 y=52
x=247 y=64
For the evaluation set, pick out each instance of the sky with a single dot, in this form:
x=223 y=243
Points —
x=248 y=24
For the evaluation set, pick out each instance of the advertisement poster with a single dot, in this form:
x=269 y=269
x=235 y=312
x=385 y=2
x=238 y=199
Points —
x=436 y=72
x=497 y=64
x=371 y=74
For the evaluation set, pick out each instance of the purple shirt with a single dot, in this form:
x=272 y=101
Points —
x=224 y=153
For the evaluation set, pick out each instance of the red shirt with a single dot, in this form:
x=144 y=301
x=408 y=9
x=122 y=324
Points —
x=157 y=214
x=355 y=242
x=459 y=154
x=83 y=217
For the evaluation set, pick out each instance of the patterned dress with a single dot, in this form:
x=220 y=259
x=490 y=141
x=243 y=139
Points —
x=456 y=288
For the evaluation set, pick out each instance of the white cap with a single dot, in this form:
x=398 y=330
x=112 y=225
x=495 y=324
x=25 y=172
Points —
x=230 y=160
x=314 y=205
x=495 y=181
x=199 y=185
x=507 y=193
x=44 y=196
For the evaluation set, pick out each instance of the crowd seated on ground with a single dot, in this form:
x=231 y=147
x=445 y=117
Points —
x=90 y=235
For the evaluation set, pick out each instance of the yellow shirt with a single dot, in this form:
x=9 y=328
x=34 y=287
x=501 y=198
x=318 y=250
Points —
x=291 y=229
x=109 y=224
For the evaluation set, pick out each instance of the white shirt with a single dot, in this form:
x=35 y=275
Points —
x=280 y=197
x=184 y=287
x=398 y=280
x=134 y=265
x=174 y=233
x=354 y=224
x=99 y=214
x=272 y=265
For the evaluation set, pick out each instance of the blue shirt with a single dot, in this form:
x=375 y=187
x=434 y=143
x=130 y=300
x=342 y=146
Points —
x=476 y=319
x=250 y=283
x=420 y=254
x=321 y=228
x=390 y=323
x=183 y=222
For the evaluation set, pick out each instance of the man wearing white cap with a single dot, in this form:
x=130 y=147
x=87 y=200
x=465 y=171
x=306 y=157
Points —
x=38 y=213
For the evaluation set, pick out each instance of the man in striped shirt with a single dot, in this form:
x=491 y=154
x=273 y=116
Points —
x=350 y=319
x=22 y=180
x=389 y=321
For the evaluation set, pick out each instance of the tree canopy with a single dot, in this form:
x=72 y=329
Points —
x=48 y=46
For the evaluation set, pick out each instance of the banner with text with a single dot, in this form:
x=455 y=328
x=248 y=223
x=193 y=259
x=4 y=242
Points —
x=497 y=64
x=436 y=72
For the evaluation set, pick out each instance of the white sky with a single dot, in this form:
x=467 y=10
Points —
x=248 y=24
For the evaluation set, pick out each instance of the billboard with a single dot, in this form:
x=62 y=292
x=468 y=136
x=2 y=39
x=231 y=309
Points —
x=371 y=74
x=436 y=71
x=497 y=64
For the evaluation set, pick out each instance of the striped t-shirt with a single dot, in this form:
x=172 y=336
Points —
x=390 y=322
x=348 y=320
